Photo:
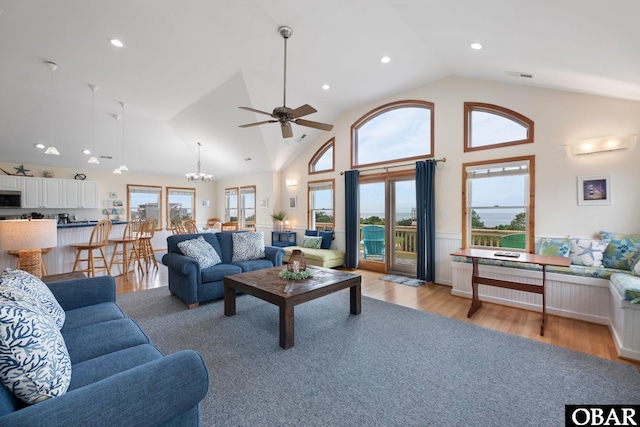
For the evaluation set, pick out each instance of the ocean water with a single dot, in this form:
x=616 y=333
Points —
x=493 y=219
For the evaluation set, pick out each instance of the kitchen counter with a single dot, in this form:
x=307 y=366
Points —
x=76 y=224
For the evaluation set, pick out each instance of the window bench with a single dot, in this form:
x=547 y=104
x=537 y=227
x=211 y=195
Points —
x=598 y=295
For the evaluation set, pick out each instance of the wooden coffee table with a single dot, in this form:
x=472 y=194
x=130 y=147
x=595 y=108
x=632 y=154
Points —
x=267 y=285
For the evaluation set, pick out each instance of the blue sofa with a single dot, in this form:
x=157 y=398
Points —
x=118 y=378
x=194 y=285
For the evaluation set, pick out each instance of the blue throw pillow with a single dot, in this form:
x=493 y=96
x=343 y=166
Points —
x=327 y=237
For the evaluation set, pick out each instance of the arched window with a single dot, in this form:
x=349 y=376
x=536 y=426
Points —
x=491 y=126
x=394 y=132
x=324 y=159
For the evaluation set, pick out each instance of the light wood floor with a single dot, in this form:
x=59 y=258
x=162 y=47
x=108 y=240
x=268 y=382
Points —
x=572 y=334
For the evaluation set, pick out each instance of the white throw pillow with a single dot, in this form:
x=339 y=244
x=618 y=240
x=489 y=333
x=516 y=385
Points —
x=37 y=289
x=248 y=246
x=588 y=252
x=34 y=361
x=201 y=251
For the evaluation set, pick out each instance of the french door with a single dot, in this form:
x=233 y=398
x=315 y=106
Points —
x=387 y=223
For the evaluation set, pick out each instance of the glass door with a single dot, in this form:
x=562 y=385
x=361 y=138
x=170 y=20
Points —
x=402 y=226
x=388 y=223
x=372 y=248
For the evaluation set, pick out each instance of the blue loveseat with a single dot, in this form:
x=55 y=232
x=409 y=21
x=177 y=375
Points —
x=193 y=284
x=118 y=378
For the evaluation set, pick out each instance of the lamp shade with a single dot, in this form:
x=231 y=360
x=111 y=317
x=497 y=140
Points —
x=19 y=234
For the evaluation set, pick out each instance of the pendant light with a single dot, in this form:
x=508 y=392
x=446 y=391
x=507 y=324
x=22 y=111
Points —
x=117 y=170
x=199 y=176
x=93 y=159
x=123 y=167
x=51 y=150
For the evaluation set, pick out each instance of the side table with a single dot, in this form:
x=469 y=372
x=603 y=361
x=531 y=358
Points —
x=283 y=238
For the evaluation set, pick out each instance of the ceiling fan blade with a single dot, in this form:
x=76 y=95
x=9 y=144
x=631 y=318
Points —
x=302 y=111
x=286 y=130
x=258 y=123
x=316 y=125
x=254 y=110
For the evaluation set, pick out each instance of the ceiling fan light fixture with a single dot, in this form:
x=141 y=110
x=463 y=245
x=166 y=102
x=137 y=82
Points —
x=285 y=115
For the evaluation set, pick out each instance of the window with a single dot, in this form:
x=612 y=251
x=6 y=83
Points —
x=247 y=207
x=181 y=204
x=490 y=126
x=324 y=159
x=231 y=205
x=394 y=132
x=144 y=201
x=240 y=206
x=498 y=203
x=321 y=205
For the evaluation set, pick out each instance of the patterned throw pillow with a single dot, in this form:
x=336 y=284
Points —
x=34 y=361
x=588 y=252
x=38 y=290
x=311 y=242
x=200 y=250
x=635 y=267
x=248 y=246
x=622 y=250
x=555 y=247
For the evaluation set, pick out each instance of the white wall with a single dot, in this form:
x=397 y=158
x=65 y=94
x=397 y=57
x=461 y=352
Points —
x=560 y=118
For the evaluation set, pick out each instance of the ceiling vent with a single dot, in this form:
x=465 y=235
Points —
x=519 y=74
x=106 y=157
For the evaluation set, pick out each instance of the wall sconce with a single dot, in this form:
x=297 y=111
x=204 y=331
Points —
x=606 y=143
x=292 y=182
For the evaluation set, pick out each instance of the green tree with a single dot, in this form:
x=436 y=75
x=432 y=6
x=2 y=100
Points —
x=322 y=217
x=404 y=222
x=374 y=220
x=476 y=222
x=519 y=222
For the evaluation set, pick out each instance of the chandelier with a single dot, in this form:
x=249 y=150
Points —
x=199 y=176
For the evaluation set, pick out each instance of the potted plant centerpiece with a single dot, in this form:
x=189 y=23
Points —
x=279 y=217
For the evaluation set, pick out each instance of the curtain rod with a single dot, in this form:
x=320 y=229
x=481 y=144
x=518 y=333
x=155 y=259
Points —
x=443 y=160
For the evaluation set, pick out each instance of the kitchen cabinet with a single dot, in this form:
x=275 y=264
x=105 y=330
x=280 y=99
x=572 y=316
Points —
x=38 y=193
x=41 y=193
x=80 y=194
x=13 y=183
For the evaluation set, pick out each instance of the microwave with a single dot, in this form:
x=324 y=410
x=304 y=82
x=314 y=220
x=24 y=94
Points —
x=10 y=199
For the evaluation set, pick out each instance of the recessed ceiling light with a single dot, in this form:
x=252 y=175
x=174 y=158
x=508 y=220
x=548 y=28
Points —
x=475 y=45
x=40 y=146
x=116 y=42
x=385 y=59
x=85 y=151
x=326 y=86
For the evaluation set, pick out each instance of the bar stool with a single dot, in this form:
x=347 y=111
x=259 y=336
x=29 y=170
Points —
x=128 y=253
x=145 y=248
x=99 y=240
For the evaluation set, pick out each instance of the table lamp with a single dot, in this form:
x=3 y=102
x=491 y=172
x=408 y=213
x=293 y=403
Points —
x=29 y=237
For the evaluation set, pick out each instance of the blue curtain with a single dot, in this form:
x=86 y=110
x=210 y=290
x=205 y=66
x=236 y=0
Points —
x=426 y=212
x=352 y=222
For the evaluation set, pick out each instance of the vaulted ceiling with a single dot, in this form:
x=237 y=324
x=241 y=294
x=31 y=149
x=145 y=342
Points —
x=187 y=65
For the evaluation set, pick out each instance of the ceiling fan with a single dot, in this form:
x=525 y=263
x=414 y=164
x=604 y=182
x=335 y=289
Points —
x=285 y=115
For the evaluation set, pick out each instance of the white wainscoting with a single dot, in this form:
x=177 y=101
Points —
x=625 y=325
x=446 y=243
x=576 y=297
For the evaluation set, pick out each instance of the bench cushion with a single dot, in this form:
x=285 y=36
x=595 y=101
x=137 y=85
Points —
x=627 y=286
x=327 y=258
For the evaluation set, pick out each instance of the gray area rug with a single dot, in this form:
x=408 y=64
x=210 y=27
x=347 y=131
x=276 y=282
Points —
x=388 y=366
x=404 y=280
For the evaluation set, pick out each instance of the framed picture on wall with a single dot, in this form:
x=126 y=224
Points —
x=293 y=202
x=594 y=190
x=264 y=203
